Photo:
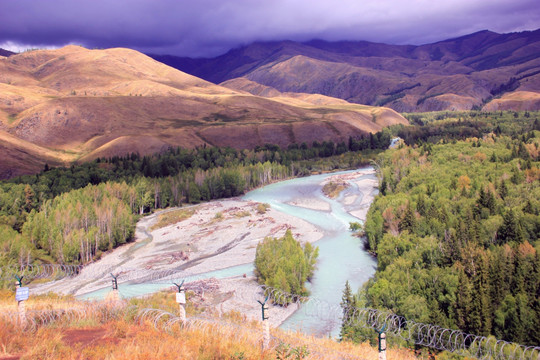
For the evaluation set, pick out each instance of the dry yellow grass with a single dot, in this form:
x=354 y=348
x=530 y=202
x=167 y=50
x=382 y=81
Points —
x=23 y=157
x=172 y=217
x=451 y=102
x=297 y=99
x=517 y=100
x=124 y=340
x=44 y=302
x=231 y=337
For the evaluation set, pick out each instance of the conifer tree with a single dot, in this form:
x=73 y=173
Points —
x=462 y=308
x=510 y=229
x=421 y=205
x=348 y=306
x=408 y=222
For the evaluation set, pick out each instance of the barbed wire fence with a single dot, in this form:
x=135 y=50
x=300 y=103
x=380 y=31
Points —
x=100 y=311
x=169 y=322
x=412 y=332
x=40 y=271
x=439 y=338
x=421 y=334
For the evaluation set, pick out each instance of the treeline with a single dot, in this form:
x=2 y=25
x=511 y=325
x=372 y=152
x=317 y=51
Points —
x=77 y=226
x=18 y=196
x=72 y=215
x=449 y=126
x=55 y=181
x=456 y=228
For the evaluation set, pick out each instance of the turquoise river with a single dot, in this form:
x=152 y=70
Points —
x=341 y=255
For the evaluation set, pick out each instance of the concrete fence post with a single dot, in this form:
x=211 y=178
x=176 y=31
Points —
x=115 y=295
x=266 y=334
x=382 y=345
x=265 y=325
x=181 y=300
x=21 y=295
x=21 y=307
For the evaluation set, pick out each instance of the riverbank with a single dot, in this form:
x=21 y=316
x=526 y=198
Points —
x=217 y=236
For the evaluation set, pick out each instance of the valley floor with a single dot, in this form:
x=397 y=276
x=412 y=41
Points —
x=215 y=236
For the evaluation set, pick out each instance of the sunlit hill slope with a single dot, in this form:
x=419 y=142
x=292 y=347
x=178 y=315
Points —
x=74 y=104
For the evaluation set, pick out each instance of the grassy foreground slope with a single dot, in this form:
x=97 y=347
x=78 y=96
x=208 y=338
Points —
x=115 y=332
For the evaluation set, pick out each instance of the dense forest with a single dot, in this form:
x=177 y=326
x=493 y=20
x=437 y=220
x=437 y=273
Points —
x=72 y=215
x=456 y=226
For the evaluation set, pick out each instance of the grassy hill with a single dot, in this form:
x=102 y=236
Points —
x=74 y=104
x=455 y=74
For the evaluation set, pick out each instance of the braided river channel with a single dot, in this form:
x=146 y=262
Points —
x=341 y=255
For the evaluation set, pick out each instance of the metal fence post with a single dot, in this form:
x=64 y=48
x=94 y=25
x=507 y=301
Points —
x=115 y=294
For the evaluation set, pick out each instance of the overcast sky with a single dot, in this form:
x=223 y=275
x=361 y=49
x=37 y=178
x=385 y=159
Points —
x=211 y=27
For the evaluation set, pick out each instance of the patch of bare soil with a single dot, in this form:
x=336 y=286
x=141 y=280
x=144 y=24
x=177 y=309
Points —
x=87 y=337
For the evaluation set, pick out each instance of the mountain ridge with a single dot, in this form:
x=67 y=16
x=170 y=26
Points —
x=6 y=53
x=469 y=68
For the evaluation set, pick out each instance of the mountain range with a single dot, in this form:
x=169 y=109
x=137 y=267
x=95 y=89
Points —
x=73 y=104
x=484 y=70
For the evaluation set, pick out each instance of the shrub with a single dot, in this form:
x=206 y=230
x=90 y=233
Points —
x=261 y=208
x=356 y=228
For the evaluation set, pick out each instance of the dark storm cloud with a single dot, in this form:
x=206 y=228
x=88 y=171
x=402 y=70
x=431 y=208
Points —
x=210 y=27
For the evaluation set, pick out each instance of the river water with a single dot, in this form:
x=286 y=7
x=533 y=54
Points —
x=341 y=255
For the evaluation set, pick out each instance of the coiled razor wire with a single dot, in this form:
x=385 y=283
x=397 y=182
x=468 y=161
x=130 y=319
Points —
x=33 y=319
x=436 y=337
x=40 y=271
x=90 y=272
x=427 y=335
x=166 y=321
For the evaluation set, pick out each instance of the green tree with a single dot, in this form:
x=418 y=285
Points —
x=374 y=228
x=284 y=264
x=143 y=194
x=348 y=306
x=510 y=229
x=408 y=221
x=28 y=198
